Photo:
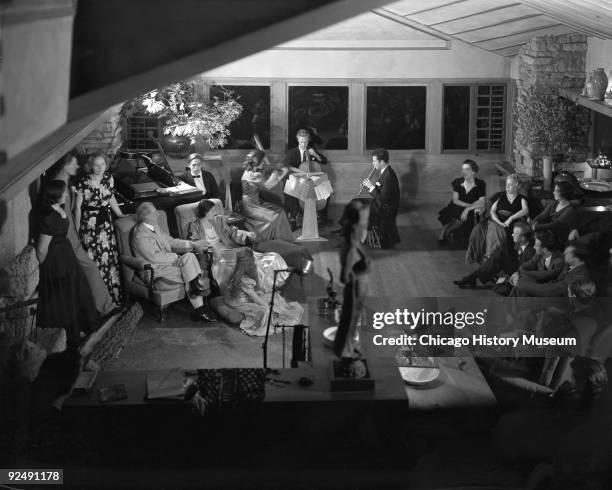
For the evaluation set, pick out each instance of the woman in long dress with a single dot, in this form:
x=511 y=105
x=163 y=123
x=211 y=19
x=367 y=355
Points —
x=64 y=297
x=354 y=268
x=496 y=233
x=211 y=229
x=95 y=205
x=246 y=295
x=269 y=220
x=469 y=194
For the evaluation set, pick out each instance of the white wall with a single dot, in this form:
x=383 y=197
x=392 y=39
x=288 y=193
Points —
x=461 y=61
x=599 y=54
x=36 y=82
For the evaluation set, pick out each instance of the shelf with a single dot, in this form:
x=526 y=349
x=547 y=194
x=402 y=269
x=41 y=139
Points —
x=603 y=107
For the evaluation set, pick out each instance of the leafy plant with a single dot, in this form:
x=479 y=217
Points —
x=547 y=124
x=185 y=115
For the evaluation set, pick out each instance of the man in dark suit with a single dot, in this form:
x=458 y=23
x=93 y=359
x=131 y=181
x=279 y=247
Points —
x=547 y=264
x=502 y=261
x=197 y=177
x=575 y=270
x=305 y=153
x=385 y=199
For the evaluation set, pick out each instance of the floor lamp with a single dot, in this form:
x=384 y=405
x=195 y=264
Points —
x=304 y=268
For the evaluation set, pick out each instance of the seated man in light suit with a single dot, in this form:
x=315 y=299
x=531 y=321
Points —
x=155 y=246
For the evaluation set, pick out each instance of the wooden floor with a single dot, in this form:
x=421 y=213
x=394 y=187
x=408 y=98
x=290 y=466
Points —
x=418 y=267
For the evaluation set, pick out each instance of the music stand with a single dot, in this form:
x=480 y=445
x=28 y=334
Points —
x=305 y=268
x=305 y=186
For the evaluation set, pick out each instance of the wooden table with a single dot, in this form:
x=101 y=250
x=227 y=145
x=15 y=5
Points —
x=461 y=384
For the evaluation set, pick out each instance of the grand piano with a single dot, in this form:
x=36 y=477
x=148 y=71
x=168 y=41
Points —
x=147 y=176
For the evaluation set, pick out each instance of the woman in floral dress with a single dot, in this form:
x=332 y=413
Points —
x=94 y=206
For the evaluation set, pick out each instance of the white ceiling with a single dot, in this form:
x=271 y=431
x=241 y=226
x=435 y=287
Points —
x=502 y=26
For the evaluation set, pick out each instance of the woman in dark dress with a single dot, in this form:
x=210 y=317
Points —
x=468 y=195
x=94 y=208
x=64 y=297
x=560 y=216
x=354 y=268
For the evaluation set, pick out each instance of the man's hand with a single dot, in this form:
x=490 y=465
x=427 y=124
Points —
x=197 y=247
x=514 y=279
x=574 y=235
x=367 y=183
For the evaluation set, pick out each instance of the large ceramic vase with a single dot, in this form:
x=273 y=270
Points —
x=599 y=84
x=176 y=146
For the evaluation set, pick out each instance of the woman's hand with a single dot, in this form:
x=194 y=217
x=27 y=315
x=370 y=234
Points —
x=507 y=223
x=574 y=235
x=464 y=214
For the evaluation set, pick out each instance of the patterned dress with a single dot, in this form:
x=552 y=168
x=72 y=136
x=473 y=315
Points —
x=98 y=232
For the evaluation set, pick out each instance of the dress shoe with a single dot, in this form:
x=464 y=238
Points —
x=204 y=314
x=466 y=283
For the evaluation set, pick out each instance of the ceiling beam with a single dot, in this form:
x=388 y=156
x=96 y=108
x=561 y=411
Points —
x=487 y=11
x=497 y=24
x=429 y=9
x=363 y=45
x=219 y=55
x=517 y=33
x=572 y=18
x=388 y=14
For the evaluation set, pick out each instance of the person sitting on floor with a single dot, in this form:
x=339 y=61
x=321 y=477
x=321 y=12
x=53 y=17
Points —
x=245 y=295
x=196 y=176
x=548 y=261
x=575 y=269
x=385 y=194
x=459 y=217
x=211 y=229
x=501 y=261
x=152 y=244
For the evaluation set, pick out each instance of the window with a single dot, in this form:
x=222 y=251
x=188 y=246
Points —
x=395 y=118
x=255 y=117
x=474 y=118
x=456 y=117
x=323 y=111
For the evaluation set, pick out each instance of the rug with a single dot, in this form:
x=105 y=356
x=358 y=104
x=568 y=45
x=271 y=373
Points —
x=118 y=335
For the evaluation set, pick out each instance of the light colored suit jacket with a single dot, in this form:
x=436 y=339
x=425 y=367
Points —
x=157 y=248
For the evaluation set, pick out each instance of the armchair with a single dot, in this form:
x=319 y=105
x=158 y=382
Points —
x=138 y=276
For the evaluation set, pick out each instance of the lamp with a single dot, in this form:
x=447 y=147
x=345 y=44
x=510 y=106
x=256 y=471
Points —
x=304 y=268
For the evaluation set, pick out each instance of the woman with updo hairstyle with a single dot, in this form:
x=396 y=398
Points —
x=469 y=192
x=268 y=220
x=560 y=216
x=95 y=206
x=64 y=297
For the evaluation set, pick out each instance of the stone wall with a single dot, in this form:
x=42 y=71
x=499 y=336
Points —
x=107 y=137
x=548 y=62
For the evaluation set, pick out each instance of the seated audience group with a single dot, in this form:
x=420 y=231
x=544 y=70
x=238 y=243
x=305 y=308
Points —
x=542 y=255
x=81 y=284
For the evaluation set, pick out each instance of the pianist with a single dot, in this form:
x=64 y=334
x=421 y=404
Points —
x=197 y=177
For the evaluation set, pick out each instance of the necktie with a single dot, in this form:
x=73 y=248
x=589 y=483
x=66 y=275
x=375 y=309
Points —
x=304 y=156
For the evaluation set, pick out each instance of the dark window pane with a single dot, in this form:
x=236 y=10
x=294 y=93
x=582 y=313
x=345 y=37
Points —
x=395 y=117
x=323 y=111
x=255 y=117
x=456 y=117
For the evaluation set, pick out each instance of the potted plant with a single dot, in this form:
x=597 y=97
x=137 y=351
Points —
x=547 y=125
x=189 y=120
